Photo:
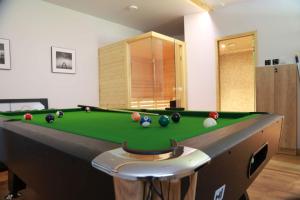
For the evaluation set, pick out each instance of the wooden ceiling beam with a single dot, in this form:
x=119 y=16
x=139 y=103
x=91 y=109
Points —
x=202 y=4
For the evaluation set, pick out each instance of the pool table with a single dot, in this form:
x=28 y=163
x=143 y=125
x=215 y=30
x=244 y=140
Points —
x=78 y=156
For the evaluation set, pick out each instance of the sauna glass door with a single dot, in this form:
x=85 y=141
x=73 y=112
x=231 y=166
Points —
x=153 y=77
x=142 y=74
x=164 y=72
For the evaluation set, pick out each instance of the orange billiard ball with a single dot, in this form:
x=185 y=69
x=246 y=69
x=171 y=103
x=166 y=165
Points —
x=135 y=116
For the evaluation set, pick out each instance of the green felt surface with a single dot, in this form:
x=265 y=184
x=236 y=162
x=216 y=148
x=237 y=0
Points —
x=118 y=127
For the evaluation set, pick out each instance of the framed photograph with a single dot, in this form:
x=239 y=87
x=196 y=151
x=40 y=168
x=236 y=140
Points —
x=63 y=60
x=297 y=58
x=4 y=54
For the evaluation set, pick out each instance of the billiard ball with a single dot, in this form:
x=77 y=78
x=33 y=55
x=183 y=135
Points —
x=145 y=121
x=163 y=120
x=59 y=114
x=50 y=118
x=214 y=115
x=135 y=116
x=175 y=117
x=87 y=109
x=209 y=122
x=27 y=116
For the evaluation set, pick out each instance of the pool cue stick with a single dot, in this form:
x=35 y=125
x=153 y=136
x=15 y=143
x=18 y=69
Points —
x=118 y=110
x=128 y=111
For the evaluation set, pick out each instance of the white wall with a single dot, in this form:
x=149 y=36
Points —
x=277 y=23
x=33 y=26
x=200 y=37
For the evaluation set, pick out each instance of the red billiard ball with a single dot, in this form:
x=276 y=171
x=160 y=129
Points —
x=28 y=116
x=214 y=115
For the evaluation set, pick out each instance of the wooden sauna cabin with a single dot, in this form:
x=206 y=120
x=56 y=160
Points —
x=147 y=71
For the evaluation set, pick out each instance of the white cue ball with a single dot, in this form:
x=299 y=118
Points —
x=209 y=122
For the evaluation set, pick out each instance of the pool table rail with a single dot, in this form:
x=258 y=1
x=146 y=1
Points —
x=119 y=163
x=230 y=135
x=53 y=162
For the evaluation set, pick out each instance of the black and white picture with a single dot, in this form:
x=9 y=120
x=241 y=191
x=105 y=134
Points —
x=2 y=58
x=63 y=60
x=4 y=54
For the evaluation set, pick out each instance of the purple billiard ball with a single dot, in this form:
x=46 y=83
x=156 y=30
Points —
x=50 y=118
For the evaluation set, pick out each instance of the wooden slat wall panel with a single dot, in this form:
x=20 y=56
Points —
x=113 y=76
x=277 y=92
x=265 y=89
x=286 y=104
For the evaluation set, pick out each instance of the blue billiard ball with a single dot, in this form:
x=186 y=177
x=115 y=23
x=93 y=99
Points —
x=59 y=114
x=145 y=121
x=50 y=118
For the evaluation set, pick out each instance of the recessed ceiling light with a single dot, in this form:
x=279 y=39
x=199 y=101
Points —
x=223 y=46
x=133 y=8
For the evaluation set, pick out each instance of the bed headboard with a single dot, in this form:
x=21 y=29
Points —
x=23 y=104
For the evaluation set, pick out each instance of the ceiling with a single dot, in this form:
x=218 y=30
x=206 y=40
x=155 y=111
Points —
x=216 y=4
x=165 y=16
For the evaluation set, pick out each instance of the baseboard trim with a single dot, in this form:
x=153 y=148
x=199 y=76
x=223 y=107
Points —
x=288 y=151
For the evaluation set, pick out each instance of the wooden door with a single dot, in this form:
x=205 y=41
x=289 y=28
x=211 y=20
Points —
x=180 y=65
x=286 y=104
x=236 y=73
x=298 y=109
x=265 y=89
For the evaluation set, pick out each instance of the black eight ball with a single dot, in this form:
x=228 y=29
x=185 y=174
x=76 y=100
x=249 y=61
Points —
x=175 y=117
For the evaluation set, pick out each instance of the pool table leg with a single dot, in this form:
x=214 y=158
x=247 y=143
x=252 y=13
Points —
x=15 y=184
x=2 y=167
x=245 y=196
x=172 y=190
